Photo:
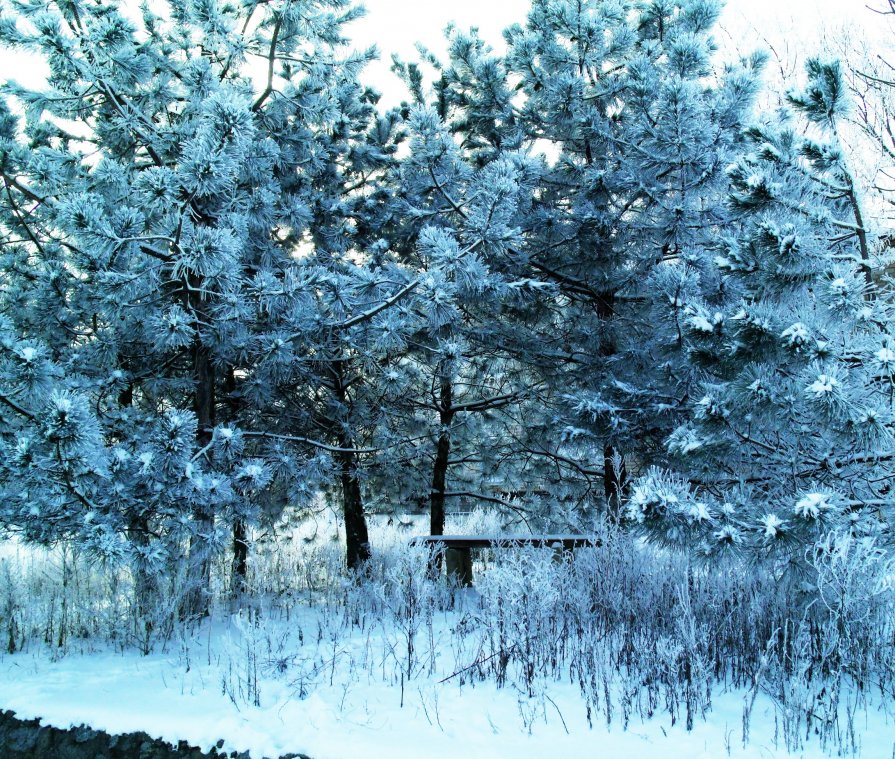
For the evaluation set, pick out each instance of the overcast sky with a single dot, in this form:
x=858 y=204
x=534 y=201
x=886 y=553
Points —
x=395 y=25
x=792 y=27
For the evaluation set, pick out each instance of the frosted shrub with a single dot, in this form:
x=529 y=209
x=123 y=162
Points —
x=634 y=633
x=59 y=599
x=399 y=594
x=476 y=522
x=11 y=596
x=254 y=647
x=855 y=581
x=69 y=600
x=521 y=610
x=295 y=568
x=827 y=662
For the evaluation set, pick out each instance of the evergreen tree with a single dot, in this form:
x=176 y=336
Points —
x=469 y=185
x=642 y=127
x=226 y=288
x=153 y=305
x=788 y=433
x=469 y=245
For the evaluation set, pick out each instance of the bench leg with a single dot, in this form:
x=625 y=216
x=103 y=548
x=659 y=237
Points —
x=458 y=562
x=562 y=554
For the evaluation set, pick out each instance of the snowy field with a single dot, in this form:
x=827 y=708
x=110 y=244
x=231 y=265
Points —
x=611 y=654
x=345 y=714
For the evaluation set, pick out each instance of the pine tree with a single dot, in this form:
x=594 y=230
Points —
x=153 y=305
x=642 y=126
x=468 y=182
x=788 y=433
x=470 y=243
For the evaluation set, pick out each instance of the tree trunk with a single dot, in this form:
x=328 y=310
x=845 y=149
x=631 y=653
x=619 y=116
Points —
x=442 y=453
x=145 y=587
x=199 y=575
x=439 y=476
x=357 y=540
x=862 y=239
x=240 y=564
x=615 y=474
x=439 y=471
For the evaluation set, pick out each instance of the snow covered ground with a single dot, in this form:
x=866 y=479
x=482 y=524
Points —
x=204 y=694
x=401 y=667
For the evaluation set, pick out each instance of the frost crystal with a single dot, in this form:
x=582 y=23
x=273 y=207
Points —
x=755 y=181
x=824 y=383
x=28 y=354
x=796 y=335
x=729 y=534
x=811 y=505
x=699 y=512
x=772 y=525
x=885 y=358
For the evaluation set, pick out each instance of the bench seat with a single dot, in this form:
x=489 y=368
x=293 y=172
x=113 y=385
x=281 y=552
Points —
x=458 y=548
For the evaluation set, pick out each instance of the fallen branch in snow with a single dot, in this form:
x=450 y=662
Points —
x=478 y=662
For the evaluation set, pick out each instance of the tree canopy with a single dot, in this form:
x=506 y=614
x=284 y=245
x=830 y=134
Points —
x=582 y=279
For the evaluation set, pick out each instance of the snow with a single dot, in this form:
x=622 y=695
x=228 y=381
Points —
x=701 y=323
x=180 y=697
x=824 y=384
x=772 y=525
x=728 y=534
x=810 y=505
x=324 y=675
x=796 y=335
x=699 y=512
x=885 y=357
x=28 y=354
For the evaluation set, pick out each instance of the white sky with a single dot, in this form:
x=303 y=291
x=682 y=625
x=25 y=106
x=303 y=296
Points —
x=792 y=27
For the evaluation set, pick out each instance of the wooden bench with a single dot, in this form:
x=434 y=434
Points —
x=458 y=548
